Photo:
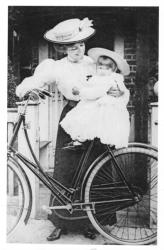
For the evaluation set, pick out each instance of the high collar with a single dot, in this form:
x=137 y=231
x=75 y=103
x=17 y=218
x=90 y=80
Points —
x=75 y=62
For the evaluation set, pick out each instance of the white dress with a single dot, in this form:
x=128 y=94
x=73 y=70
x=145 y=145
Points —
x=99 y=115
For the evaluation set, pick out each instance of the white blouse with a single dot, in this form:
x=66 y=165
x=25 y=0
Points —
x=64 y=73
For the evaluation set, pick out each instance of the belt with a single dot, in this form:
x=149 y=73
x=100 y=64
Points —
x=72 y=103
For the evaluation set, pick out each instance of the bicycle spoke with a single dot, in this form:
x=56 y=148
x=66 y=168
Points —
x=135 y=222
x=106 y=173
x=105 y=219
x=147 y=212
x=147 y=226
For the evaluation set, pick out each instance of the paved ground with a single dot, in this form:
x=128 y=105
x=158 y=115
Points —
x=36 y=231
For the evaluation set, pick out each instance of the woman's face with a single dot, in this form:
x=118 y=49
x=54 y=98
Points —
x=76 y=51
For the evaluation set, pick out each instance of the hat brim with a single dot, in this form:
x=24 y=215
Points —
x=122 y=65
x=82 y=36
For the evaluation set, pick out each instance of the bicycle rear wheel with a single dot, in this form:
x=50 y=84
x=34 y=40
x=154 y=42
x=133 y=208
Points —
x=125 y=222
x=18 y=198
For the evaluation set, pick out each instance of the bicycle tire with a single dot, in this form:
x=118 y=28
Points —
x=18 y=201
x=133 y=223
x=143 y=145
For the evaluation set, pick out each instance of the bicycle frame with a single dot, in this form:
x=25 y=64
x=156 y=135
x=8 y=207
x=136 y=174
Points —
x=53 y=185
x=35 y=167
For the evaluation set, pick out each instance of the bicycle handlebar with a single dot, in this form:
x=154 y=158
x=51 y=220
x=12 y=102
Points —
x=47 y=93
x=38 y=92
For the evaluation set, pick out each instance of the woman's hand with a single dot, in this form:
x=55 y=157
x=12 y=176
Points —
x=115 y=92
x=24 y=87
x=28 y=84
x=75 y=91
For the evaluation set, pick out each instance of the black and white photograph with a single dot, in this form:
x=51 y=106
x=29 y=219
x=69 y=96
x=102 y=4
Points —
x=75 y=177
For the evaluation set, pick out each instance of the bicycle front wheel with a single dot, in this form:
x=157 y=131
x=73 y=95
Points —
x=115 y=215
x=18 y=198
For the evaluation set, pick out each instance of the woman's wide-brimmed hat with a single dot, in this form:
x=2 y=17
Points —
x=122 y=64
x=70 y=31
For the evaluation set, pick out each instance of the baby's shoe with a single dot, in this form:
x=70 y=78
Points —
x=73 y=145
x=77 y=143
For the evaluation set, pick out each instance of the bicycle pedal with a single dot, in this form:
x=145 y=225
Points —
x=47 y=209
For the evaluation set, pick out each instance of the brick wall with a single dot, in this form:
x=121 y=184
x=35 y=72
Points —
x=130 y=56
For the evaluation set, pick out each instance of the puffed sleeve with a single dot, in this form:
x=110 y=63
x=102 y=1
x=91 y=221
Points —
x=45 y=73
x=124 y=98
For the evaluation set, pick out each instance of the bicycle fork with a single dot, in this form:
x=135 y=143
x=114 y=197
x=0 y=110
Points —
x=135 y=198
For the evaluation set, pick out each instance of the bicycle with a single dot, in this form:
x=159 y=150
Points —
x=120 y=182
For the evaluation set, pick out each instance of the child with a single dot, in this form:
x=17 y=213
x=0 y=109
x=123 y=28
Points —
x=100 y=113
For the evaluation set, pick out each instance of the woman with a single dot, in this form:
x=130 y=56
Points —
x=67 y=73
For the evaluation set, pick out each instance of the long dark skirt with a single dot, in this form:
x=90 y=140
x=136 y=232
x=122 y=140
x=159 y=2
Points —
x=66 y=162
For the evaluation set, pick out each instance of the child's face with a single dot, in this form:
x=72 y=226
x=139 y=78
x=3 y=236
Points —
x=105 y=66
x=104 y=70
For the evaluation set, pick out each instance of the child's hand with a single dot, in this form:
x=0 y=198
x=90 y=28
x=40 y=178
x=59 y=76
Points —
x=75 y=91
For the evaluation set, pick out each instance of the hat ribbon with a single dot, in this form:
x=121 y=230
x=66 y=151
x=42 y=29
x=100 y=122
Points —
x=84 y=24
x=63 y=37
